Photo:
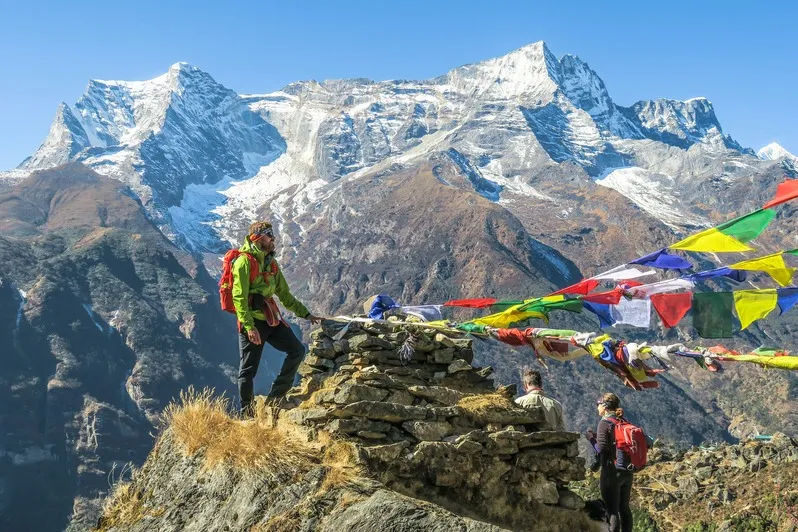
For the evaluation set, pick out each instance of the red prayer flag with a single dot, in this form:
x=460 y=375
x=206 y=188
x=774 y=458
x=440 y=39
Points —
x=672 y=307
x=514 y=336
x=611 y=297
x=471 y=303
x=583 y=287
x=784 y=192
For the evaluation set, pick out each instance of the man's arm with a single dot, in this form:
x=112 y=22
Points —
x=241 y=292
x=287 y=299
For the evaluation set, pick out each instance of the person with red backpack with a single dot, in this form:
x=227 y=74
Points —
x=621 y=450
x=250 y=279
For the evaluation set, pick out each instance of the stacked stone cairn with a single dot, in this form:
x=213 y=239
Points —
x=415 y=424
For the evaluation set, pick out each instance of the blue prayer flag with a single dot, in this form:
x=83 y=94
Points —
x=663 y=260
x=603 y=313
x=788 y=297
x=735 y=275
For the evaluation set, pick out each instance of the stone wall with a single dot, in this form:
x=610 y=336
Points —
x=432 y=425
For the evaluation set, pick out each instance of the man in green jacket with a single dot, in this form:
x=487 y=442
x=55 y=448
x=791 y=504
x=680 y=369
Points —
x=259 y=319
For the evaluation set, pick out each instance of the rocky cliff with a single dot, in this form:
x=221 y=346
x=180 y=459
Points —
x=386 y=437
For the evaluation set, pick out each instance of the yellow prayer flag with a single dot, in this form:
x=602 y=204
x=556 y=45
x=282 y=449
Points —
x=711 y=241
x=508 y=317
x=754 y=305
x=773 y=265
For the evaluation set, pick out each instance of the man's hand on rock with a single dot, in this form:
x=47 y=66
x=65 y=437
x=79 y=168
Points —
x=254 y=336
x=315 y=320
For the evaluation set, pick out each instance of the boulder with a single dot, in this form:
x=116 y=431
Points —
x=458 y=365
x=380 y=411
x=442 y=356
x=570 y=500
x=352 y=393
x=438 y=394
x=353 y=426
x=428 y=430
x=547 y=438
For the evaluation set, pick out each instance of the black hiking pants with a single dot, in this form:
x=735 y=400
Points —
x=616 y=490
x=280 y=337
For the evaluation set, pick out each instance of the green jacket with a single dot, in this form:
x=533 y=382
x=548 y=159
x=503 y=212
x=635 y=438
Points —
x=268 y=287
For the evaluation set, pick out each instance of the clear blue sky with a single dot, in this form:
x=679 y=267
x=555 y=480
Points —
x=742 y=56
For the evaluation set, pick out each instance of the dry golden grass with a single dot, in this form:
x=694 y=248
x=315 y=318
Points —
x=288 y=522
x=200 y=422
x=125 y=507
x=343 y=468
x=477 y=406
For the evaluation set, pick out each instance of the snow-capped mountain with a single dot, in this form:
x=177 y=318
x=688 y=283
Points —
x=205 y=160
x=773 y=152
x=161 y=135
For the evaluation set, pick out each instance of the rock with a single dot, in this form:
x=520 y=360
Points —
x=688 y=486
x=371 y=435
x=423 y=344
x=439 y=394
x=485 y=372
x=400 y=397
x=462 y=343
x=341 y=346
x=443 y=413
x=442 y=356
x=547 y=438
x=366 y=342
x=540 y=459
x=399 y=513
x=458 y=365
x=570 y=500
x=544 y=491
x=301 y=416
x=702 y=473
x=386 y=453
x=352 y=393
x=428 y=430
x=779 y=440
x=444 y=340
x=353 y=426
x=756 y=464
x=306 y=370
x=465 y=354
x=497 y=444
x=390 y=412
x=469 y=447
x=317 y=361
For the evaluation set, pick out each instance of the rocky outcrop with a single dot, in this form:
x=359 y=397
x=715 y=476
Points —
x=435 y=447
x=748 y=486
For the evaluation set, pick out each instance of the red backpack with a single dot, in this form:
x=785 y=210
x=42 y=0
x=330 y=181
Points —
x=630 y=440
x=226 y=282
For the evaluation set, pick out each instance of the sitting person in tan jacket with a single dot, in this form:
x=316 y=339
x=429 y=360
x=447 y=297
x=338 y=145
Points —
x=535 y=398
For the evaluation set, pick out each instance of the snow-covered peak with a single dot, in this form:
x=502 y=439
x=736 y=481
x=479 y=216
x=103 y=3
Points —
x=774 y=151
x=680 y=123
x=530 y=72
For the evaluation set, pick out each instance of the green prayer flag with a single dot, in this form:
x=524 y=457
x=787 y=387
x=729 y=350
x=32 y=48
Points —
x=546 y=305
x=748 y=227
x=792 y=252
x=501 y=306
x=712 y=314
x=472 y=328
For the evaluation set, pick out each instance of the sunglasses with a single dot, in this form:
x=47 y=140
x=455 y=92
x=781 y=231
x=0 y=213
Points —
x=265 y=232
